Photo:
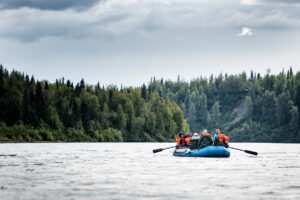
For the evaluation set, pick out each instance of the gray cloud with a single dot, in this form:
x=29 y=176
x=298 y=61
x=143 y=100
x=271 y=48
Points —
x=154 y=35
x=270 y=2
x=145 y=19
x=282 y=1
x=47 y=4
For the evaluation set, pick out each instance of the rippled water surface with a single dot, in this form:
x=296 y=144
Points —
x=132 y=171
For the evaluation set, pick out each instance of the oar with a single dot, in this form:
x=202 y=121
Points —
x=159 y=150
x=246 y=151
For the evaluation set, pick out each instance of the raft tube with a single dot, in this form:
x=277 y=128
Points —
x=210 y=151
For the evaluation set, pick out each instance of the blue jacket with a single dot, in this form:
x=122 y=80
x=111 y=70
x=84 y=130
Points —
x=216 y=138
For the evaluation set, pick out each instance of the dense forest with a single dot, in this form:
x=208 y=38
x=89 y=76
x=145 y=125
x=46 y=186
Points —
x=32 y=110
x=250 y=108
x=247 y=108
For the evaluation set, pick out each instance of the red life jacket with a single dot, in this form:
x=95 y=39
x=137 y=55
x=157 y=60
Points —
x=187 y=141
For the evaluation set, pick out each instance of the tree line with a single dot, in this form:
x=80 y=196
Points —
x=33 y=110
x=250 y=108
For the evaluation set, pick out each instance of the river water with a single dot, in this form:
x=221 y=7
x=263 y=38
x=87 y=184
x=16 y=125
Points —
x=131 y=171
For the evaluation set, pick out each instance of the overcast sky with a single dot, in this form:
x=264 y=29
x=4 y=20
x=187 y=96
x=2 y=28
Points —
x=128 y=41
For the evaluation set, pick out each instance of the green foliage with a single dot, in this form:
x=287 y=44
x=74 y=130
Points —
x=267 y=106
x=294 y=125
x=256 y=109
x=215 y=116
x=112 y=135
x=283 y=107
x=33 y=111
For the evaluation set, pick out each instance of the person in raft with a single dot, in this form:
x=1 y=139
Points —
x=187 y=140
x=195 y=141
x=220 y=139
x=205 y=140
x=179 y=140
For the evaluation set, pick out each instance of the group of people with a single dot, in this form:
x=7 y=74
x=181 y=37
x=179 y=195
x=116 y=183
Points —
x=198 y=141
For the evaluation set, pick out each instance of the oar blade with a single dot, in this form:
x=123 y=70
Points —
x=157 y=150
x=251 y=152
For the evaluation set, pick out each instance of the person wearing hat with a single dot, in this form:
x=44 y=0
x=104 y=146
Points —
x=205 y=140
x=195 y=141
x=220 y=139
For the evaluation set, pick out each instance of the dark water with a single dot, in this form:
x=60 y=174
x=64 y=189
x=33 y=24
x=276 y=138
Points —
x=132 y=171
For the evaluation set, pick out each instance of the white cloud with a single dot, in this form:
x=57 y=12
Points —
x=248 y=2
x=245 y=31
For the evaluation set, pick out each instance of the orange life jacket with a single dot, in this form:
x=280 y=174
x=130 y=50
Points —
x=188 y=141
x=178 y=141
x=226 y=138
x=223 y=138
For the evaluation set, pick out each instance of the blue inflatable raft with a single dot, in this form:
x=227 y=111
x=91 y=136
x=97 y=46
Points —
x=210 y=151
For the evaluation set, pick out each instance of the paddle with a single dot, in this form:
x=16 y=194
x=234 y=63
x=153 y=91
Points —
x=159 y=150
x=246 y=151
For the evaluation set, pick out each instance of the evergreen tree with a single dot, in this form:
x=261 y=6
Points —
x=192 y=117
x=39 y=100
x=121 y=119
x=202 y=113
x=294 y=124
x=84 y=115
x=269 y=112
x=144 y=92
x=283 y=107
x=249 y=104
x=215 y=115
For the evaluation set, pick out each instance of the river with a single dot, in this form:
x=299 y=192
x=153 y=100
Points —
x=131 y=171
